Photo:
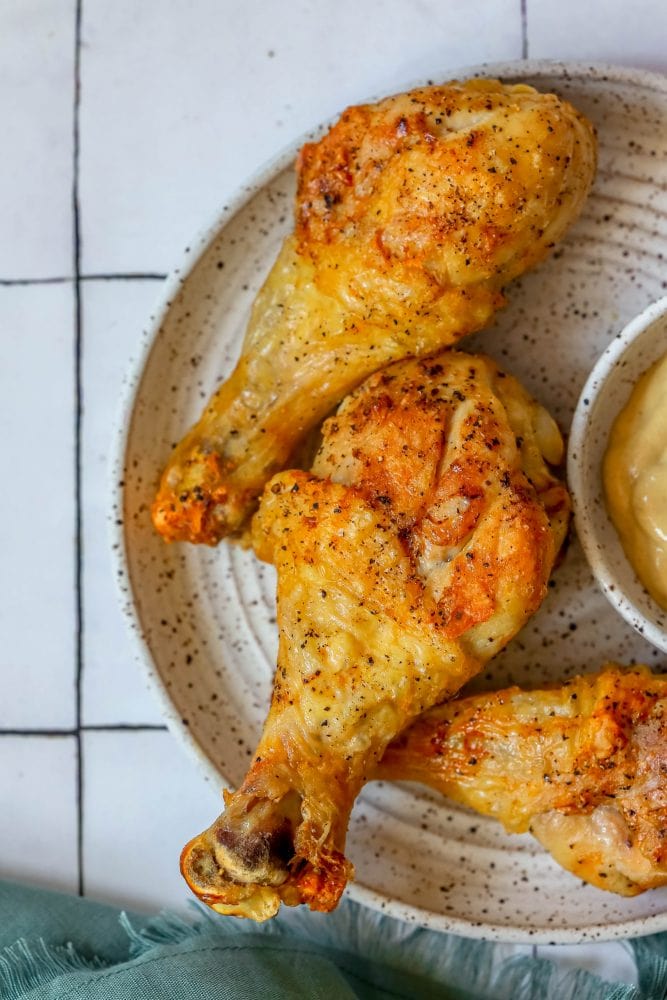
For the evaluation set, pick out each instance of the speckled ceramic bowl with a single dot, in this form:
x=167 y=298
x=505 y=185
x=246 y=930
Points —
x=643 y=341
x=205 y=618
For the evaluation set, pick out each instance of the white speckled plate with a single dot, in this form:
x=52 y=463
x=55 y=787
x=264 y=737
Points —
x=205 y=618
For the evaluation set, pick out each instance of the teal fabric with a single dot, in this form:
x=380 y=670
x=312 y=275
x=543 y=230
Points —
x=54 y=946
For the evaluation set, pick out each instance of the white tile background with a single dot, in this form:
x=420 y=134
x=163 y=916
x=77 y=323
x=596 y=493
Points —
x=176 y=103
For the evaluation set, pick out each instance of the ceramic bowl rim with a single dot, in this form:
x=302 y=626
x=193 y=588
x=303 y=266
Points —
x=589 y=515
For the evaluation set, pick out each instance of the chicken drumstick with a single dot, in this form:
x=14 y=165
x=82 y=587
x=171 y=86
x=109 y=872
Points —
x=412 y=214
x=582 y=767
x=416 y=549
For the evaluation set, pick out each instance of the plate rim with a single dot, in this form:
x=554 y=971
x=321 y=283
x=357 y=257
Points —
x=118 y=543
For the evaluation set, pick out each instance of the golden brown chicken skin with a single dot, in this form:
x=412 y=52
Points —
x=412 y=215
x=583 y=767
x=413 y=552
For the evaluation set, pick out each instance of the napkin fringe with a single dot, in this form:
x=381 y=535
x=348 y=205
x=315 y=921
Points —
x=25 y=967
x=651 y=958
x=469 y=965
x=351 y=934
x=166 y=928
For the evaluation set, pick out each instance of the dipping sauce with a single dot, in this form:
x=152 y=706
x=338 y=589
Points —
x=635 y=479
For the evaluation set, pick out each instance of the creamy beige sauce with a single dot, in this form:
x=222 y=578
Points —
x=635 y=479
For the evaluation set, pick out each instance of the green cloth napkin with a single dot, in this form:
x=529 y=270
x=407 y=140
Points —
x=57 y=946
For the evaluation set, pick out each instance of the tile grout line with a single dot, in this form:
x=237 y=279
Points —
x=124 y=276
x=524 y=29
x=101 y=727
x=124 y=727
x=10 y=282
x=78 y=413
x=37 y=732
x=65 y=279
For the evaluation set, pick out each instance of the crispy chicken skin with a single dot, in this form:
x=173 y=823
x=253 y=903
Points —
x=413 y=552
x=581 y=766
x=412 y=215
